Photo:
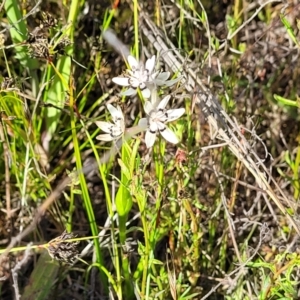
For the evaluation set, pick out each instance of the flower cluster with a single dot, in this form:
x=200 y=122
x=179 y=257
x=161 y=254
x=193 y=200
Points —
x=146 y=79
x=157 y=117
x=143 y=77
x=113 y=131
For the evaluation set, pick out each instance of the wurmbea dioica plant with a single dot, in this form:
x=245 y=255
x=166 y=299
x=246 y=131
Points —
x=146 y=79
x=157 y=117
x=143 y=77
x=113 y=131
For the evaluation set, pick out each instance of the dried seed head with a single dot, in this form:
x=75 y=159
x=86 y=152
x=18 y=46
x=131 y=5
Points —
x=48 y=20
x=37 y=34
x=63 y=250
x=40 y=49
x=8 y=82
x=62 y=44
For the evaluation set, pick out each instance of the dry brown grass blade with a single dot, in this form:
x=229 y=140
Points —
x=226 y=128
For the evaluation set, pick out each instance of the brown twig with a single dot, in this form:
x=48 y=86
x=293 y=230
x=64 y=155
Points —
x=7 y=173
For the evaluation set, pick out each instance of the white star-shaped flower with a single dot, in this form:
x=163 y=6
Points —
x=113 y=130
x=143 y=77
x=156 y=121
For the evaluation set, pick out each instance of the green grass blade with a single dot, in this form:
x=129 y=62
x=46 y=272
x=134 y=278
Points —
x=58 y=90
x=85 y=194
x=19 y=33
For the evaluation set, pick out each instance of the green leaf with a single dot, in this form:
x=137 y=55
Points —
x=287 y=102
x=289 y=29
x=42 y=279
x=18 y=33
x=123 y=201
x=124 y=169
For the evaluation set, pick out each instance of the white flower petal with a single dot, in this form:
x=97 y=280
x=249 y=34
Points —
x=154 y=75
x=150 y=64
x=116 y=113
x=134 y=82
x=123 y=81
x=149 y=139
x=163 y=103
x=160 y=116
x=162 y=76
x=116 y=132
x=153 y=127
x=143 y=123
x=146 y=93
x=158 y=82
x=169 y=136
x=148 y=107
x=104 y=126
x=133 y=63
x=173 y=81
x=161 y=126
x=105 y=137
x=142 y=85
x=120 y=112
x=129 y=92
x=174 y=114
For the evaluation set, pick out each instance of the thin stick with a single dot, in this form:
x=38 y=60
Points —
x=7 y=173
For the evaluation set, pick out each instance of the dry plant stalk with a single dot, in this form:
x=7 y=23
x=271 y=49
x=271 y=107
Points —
x=15 y=270
x=225 y=127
